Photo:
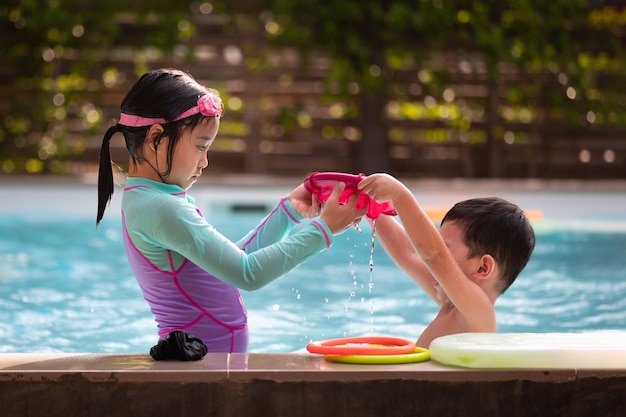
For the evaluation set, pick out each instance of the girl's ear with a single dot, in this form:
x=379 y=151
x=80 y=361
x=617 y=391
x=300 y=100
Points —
x=153 y=133
x=486 y=267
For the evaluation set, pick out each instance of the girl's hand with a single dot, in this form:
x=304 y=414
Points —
x=382 y=187
x=305 y=203
x=339 y=217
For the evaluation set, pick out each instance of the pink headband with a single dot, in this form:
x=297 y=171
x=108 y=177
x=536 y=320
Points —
x=208 y=105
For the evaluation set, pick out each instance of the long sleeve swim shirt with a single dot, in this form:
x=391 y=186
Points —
x=190 y=273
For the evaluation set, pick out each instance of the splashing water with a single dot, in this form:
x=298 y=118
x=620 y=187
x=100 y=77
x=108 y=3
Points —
x=371 y=283
x=372 y=256
x=355 y=283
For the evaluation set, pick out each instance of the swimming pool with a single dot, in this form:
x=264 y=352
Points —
x=66 y=287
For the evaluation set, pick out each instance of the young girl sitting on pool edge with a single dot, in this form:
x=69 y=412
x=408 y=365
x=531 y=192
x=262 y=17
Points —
x=188 y=272
x=479 y=250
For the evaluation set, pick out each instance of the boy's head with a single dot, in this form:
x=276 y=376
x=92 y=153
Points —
x=496 y=227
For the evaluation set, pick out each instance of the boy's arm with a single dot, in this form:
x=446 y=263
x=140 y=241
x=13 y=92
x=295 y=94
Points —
x=469 y=299
x=393 y=238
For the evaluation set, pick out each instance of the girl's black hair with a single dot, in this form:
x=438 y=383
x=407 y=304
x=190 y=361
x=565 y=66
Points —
x=162 y=93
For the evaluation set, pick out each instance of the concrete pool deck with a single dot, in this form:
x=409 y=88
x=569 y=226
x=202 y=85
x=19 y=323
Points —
x=58 y=384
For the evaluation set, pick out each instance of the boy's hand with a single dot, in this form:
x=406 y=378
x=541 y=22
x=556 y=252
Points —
x=381 y=187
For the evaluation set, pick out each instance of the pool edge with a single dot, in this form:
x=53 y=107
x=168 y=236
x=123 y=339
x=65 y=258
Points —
x=293 y=384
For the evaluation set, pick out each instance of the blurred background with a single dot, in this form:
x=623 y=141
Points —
x=417 y=88
x=459 y=98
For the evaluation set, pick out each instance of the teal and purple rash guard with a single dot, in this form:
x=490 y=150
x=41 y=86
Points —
x=189 y=273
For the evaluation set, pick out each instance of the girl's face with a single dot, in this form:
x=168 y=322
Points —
x=191 y=154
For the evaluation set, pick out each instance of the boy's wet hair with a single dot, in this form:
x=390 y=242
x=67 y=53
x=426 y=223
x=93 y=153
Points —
x=496 y=227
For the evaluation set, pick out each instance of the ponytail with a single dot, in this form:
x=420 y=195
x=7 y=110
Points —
x=105 y=172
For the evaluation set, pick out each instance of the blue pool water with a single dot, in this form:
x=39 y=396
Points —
x=66 y=287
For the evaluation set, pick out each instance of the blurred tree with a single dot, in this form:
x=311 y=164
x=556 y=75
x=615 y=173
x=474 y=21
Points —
x=559 y=60
x=565 y=39
x=63 y=51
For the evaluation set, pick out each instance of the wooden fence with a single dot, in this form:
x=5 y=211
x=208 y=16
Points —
x=253 y=141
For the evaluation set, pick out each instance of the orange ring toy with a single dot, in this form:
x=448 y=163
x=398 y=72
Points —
x=362 y=346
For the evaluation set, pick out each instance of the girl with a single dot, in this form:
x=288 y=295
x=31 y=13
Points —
x=189 y=273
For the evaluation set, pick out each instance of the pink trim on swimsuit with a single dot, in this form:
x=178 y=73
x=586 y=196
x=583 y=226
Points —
x=323 y=230
x=260 y=226
x=175 y=275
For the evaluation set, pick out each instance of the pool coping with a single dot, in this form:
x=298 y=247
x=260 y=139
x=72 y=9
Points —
x=274 y=366
x=303 y=385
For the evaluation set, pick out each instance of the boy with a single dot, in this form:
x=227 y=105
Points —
x=481 y=247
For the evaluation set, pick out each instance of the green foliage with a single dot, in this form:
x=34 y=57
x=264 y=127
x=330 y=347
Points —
x=563 y=53
x=61 y=48
x=558 y=60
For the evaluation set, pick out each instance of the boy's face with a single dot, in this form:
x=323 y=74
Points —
x=452 y=235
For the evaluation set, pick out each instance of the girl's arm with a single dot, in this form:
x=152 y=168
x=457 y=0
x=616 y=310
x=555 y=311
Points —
x=274 y=227
x=298 y=204
x=175 y=224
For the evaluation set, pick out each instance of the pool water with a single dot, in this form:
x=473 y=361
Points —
x=67 y=287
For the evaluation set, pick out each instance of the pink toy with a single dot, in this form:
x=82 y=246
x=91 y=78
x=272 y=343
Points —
x=321 y=184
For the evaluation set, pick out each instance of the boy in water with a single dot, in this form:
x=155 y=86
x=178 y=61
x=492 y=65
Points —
x=481 y=247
